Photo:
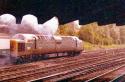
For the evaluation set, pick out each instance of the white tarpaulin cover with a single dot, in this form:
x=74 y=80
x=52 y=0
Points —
x=7 y=19
x=74 y=24
x=29 y=23
x=50 y=27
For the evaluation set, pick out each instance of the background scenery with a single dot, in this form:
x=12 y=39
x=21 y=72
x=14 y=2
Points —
x=96 y=36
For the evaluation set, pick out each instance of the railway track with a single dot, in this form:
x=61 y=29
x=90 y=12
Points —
x=110 y=76
x=119 y=79
x=86 y=55
x=82 y=71
x=104 y=75
x=61 y=67
x=16 y=73
x=94 y=75
x=53 y=67
x=57 y=61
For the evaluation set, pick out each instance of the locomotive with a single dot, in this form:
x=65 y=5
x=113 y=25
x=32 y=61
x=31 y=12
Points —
x=29 y=47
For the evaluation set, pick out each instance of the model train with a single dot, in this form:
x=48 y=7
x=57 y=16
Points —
x=24 y=47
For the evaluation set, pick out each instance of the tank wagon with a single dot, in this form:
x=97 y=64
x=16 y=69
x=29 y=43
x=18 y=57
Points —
x=24 y=47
